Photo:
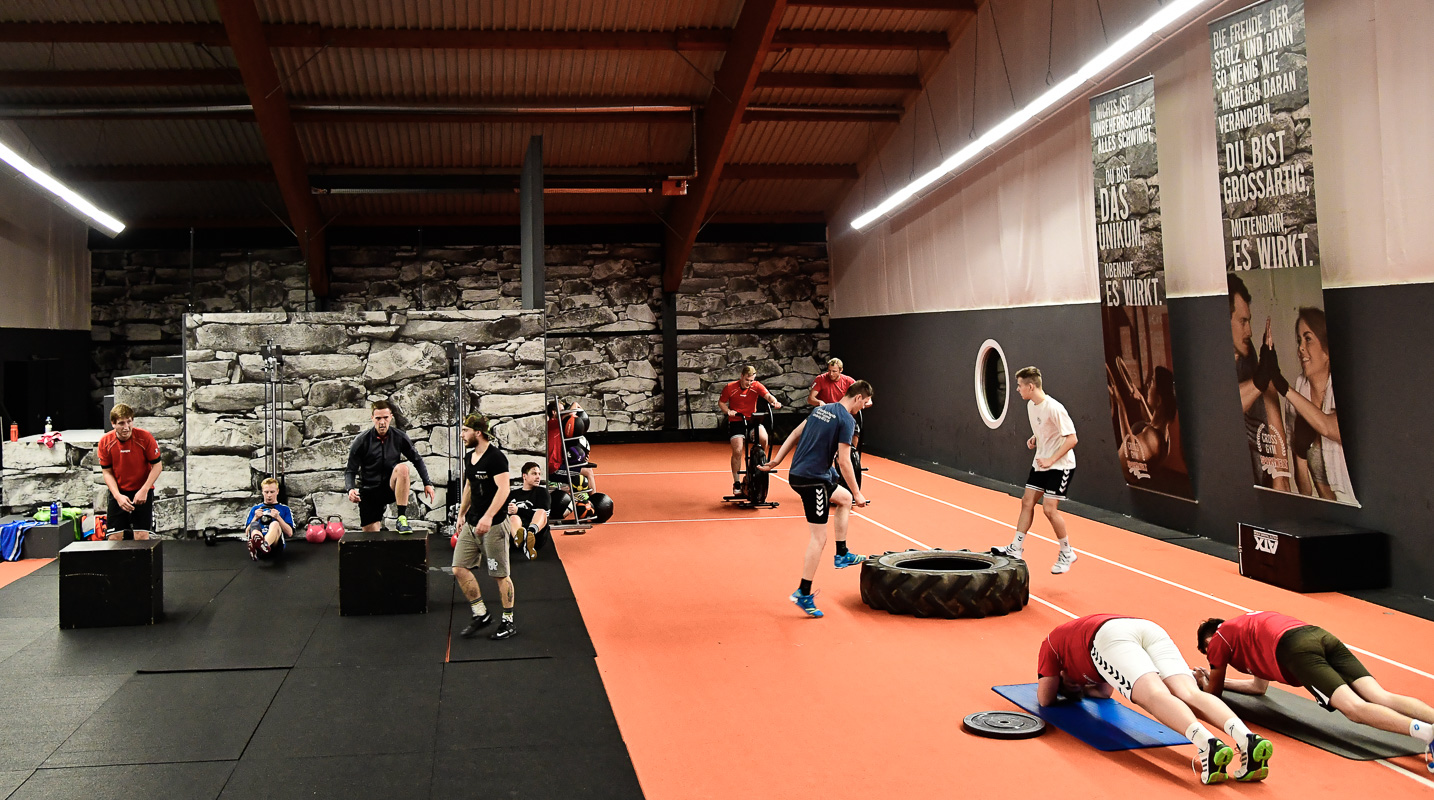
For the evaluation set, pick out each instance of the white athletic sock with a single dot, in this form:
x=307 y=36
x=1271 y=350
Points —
x=1020 y=538
x=479 y=609
x=1065 y=546
x=1198 y=734
x=1237 y=731
x=1422 y=731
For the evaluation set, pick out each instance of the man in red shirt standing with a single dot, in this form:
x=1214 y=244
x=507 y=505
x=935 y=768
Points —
x=130 y=461
x=1273 y=647
x=830 y=387
x=1094 y=654
x=739 y=403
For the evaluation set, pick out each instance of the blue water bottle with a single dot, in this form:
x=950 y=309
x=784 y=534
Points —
x=55 y=513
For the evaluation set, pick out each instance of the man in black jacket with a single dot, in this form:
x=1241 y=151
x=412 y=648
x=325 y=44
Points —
x=376 y=477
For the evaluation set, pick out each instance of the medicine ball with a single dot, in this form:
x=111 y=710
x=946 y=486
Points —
x=560 y=501
x=575 y=423
x=602 y=507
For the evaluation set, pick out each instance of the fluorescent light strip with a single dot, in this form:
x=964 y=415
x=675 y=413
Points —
x=1163 y=18
x=60 y=190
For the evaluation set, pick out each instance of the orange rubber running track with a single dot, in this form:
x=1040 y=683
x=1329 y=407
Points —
x=724 y=689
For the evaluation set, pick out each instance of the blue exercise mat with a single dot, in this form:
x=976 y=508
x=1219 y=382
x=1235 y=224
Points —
x=1101 y=723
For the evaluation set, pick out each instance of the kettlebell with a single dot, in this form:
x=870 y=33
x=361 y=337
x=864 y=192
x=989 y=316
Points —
x=315 y=532
x=335 y=528
x=453 y=540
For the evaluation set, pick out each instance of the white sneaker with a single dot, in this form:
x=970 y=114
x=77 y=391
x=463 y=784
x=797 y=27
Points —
x=1063 y=562
x=1012 y=550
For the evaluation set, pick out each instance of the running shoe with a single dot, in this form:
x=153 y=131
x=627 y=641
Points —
x=847 y=560
x=1254 y=760
x=1011 y=550
x=506 y=630
x=255 y=540
x=530 y=544
x=1063 y=562
x=807 y=603
x=477 y=624
x=737 y=489
x=403 y=527
x=1211 y=759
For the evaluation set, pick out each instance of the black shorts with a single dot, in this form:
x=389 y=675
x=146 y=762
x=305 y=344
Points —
x=141 y=518
x=1052 y=482
x=373 y=504
x=737 y=428
x=816 y=497
x=1318 y=661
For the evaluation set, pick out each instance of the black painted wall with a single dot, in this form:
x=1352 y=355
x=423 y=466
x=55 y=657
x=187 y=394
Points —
x=922 y=366
x=46 y=373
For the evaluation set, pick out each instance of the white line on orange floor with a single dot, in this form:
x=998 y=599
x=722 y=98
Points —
x=754 y=518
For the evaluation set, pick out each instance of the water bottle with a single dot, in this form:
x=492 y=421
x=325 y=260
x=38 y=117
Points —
x=55 y=513
x=48 y=427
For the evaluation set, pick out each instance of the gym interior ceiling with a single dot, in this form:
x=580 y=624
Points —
x=312 y=113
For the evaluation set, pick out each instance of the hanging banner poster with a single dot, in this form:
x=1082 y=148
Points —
x=1265 y=150
x=1138 y=364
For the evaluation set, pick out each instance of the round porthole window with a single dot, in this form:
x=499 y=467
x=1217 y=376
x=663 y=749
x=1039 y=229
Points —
x=991 y=383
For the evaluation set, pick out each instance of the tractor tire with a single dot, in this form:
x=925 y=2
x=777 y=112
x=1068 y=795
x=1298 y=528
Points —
x=945 y=583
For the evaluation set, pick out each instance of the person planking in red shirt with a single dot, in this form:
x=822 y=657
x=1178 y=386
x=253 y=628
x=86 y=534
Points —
x=130 y=462
x=1095 y=654
x=1273 y=647
x=739 y=403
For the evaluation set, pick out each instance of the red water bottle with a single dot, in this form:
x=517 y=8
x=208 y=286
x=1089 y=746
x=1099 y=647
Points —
x=14 y=432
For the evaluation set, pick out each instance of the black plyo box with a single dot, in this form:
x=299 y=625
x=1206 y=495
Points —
x=106 y=584
x=383 y=573
x=1314 y=556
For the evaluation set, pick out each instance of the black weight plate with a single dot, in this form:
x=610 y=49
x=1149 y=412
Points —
x=1004 y=725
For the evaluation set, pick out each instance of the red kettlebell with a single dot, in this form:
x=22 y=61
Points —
x=453 y=540
x=335 y=528
x=315 y=533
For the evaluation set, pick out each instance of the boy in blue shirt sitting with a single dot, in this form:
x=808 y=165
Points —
x=268 y=524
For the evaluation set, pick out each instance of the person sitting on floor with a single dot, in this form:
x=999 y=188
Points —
x=268 y=524
x=528 y=512
x=1273 y=647
x=1094 y=654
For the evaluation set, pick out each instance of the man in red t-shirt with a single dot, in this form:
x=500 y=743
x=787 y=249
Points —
x=130 y=462
x=739 y=403
x=1093 y=654
x=830 y=387
x=1274 y=647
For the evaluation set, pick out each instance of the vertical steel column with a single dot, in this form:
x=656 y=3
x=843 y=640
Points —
x=530 y=199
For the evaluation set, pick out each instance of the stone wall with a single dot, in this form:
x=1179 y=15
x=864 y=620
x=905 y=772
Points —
x=603 y=305
x=36 y=475
x=335 y=363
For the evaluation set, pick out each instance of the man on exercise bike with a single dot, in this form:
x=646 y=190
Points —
x=739 y=403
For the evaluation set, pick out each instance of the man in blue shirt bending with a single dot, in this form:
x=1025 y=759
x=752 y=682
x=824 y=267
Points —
x=825 y=434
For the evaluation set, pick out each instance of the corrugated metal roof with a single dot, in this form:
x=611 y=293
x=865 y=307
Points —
x=867 y=19
x=874 y=62
x=458 y=145
x=893 y=98
x=124 y=95
x=777 y=197
x=67 y=143
x=804 y=142
x=67 y=56
x=108 y=11
x=448 y=75
x=603 y=15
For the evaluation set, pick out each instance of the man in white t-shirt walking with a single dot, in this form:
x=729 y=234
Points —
x=1054 y=440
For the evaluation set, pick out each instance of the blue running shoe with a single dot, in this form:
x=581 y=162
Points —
x=848 y=560
x=404 y=528
x=807 y=603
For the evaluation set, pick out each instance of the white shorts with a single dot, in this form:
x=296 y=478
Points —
x=1124 y=650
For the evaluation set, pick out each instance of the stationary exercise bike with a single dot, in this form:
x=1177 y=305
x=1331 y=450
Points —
x=755 y=481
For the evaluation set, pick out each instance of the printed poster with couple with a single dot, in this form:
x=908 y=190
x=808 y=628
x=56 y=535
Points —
x=1280 y=339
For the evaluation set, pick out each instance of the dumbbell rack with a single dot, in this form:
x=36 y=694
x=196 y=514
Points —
x=577 y=526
